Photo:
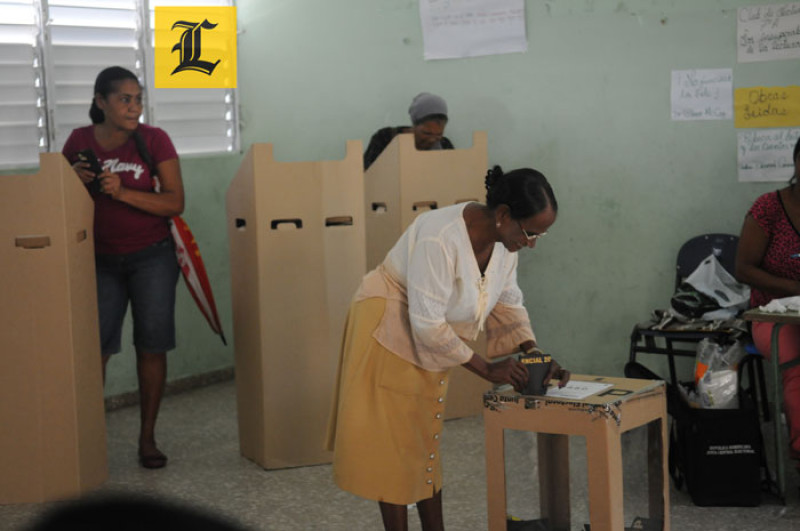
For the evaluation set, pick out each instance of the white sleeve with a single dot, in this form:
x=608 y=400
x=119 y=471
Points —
x=511 y=295
x=508 y=324
x=430 y=281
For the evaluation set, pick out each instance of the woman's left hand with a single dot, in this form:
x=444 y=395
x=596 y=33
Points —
x=110 y=184
x=556 y=371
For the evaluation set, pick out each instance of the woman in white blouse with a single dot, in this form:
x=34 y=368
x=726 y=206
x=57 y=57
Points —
x=452 y=274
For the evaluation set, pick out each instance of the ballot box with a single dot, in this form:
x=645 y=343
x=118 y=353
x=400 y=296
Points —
x=611 y=407
x=52 y=421
x=297 y=256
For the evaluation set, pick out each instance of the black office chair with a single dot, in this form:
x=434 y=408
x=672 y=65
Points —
x=644 y=337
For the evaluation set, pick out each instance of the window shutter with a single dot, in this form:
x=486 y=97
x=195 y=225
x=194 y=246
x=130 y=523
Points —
x=50 y=54
x=84 y=37
x=23 y=111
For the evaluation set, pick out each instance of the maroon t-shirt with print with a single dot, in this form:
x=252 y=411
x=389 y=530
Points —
x=781 y=256
x=120 y=228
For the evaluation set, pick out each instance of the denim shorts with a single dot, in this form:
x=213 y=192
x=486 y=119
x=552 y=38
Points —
x=147 y=279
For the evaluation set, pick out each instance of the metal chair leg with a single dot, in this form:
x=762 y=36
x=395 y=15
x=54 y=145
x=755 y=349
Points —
x=780 y=472
x=762 y=389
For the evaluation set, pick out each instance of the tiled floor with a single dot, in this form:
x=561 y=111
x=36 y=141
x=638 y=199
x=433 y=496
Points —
x=197 y=429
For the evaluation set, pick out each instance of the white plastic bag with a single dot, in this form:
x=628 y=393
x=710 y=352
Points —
x=711 y=279
x=718 y=390
x=716 y=375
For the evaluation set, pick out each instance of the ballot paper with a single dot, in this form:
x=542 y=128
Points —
x=576 y=390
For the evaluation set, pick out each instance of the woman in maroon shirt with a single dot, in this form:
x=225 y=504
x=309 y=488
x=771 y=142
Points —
x=134 y=252
x=768 y=259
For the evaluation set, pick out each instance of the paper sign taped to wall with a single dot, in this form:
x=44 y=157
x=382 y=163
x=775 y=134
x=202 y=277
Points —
x=765 y=155
x=702 y=94
x=767 y=107
x=469 y=28
x=766 y=33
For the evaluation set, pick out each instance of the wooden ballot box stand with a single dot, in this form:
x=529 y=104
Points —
x=601 y=418
x=296 y=233
x=52 y=422
x=401 y=184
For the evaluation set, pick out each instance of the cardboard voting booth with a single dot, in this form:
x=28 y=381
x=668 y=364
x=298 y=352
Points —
x=296 y=233
x=405 y=182
x=52 y=422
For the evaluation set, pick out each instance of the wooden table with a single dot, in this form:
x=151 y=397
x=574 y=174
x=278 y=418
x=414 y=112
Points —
x=601 y=419
x=779 y=319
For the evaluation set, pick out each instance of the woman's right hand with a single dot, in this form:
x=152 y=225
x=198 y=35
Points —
x=509 y=371
x=84 y=173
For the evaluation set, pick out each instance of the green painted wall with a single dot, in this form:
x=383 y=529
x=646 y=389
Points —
x=588 y=105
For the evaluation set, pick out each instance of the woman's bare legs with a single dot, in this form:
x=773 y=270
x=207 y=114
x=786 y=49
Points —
x=395 y=517
x=151 y=368
x=430 y=513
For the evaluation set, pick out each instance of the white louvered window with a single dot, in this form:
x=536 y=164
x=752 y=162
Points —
x=23 y=111
x=50 y=54
x=84 y=38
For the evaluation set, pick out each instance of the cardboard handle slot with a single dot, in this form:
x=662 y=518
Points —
x=240 y=223
x=431 y=205
x=32 y=242
x=338 y=221
x=466 y=201
x=82 y=235
x=283 y=223
x=380 y=208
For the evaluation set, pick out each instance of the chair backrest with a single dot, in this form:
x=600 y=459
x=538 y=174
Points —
x=695 y=250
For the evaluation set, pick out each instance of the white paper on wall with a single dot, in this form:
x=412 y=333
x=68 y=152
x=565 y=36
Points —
x=702 y=94
x=765 y=155
x=769 y=32
x=469 y=28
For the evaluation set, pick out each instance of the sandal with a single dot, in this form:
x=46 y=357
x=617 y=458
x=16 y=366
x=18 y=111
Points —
x=155 y=459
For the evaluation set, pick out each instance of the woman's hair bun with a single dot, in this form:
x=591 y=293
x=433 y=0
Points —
x=525 y=191
x=493 y=176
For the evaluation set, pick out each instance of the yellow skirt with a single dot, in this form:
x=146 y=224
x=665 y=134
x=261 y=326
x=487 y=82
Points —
x=386 y=422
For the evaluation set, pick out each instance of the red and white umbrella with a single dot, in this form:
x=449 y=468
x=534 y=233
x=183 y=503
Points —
x=194 y=273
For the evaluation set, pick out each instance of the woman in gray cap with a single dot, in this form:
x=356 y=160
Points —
x=428 y=114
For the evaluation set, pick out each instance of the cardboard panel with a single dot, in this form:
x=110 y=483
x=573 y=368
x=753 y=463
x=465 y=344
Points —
x=52 y=444
x=401 y=184
x=245 y=292
x=296 y=233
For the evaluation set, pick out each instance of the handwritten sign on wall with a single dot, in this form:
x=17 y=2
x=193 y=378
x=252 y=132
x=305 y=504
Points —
x=702 y=94
x=766 y=154
x=767 y=107
x=769 y=32
x=469 y=28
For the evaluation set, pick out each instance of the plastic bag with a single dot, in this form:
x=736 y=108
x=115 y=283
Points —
x=716 y=375
x=710 y=292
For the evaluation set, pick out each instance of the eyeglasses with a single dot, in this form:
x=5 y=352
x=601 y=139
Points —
x=530 y=235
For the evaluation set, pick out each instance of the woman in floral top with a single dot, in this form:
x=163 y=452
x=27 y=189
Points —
x=768 y=260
